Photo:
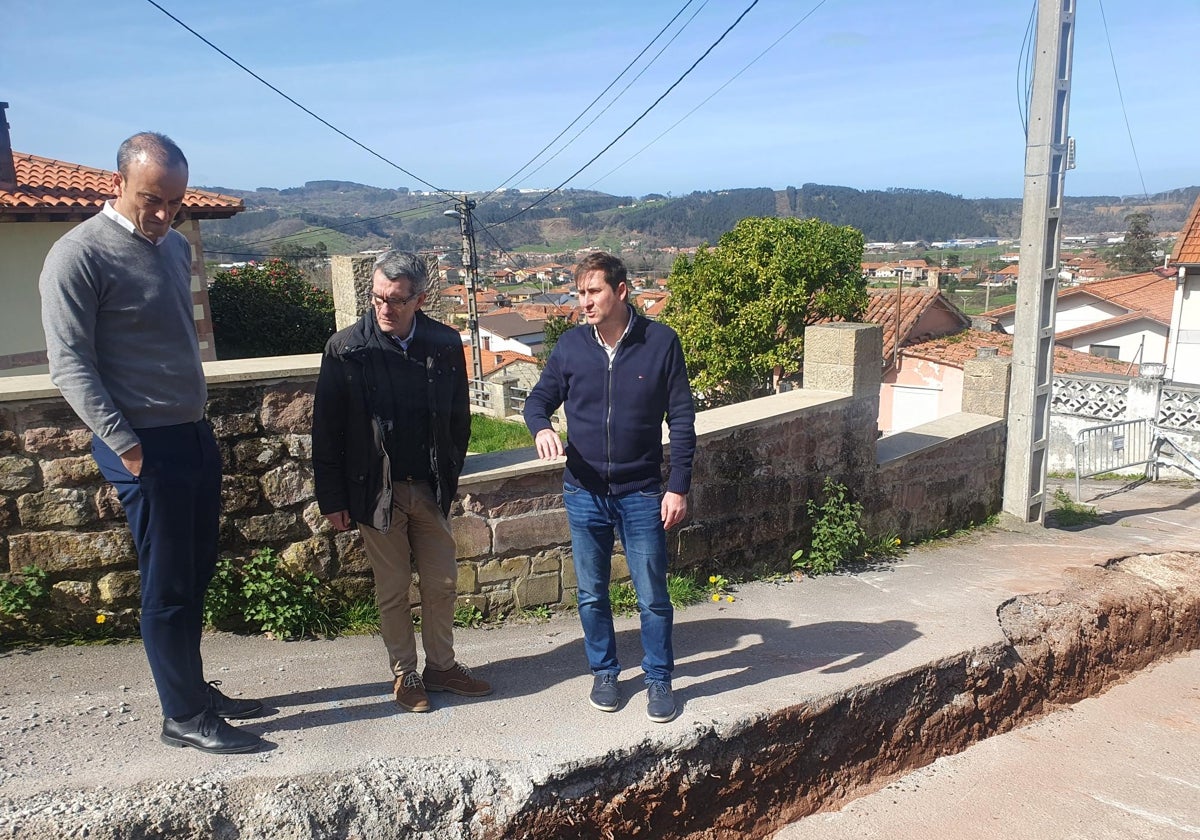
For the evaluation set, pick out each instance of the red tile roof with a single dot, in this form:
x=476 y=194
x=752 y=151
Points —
x=956 y=349
x=1130 y=318
x=52 y=190
x=1147 y=292
x=1187 y=247
x=914 y=303
x=493 y=360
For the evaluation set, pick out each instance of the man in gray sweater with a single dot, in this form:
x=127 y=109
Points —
x=121 y=340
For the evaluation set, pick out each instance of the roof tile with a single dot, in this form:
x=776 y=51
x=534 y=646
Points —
x=956 y=349
x=1187 y=248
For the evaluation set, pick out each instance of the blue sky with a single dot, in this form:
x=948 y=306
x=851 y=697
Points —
x=864 y=93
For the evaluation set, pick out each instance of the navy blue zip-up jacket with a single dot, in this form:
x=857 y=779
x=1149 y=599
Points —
x=615 y=412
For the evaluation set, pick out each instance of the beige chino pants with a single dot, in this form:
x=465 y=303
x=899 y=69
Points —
x=419 y=534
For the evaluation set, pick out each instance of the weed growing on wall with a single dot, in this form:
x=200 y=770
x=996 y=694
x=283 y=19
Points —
x=267 y=598
x=26 y=595
x=837 y=532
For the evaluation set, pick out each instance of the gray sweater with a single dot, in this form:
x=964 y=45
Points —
x=120 y=335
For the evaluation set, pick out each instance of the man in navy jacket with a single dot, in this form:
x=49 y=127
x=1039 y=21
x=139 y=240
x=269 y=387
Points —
x=619 y=376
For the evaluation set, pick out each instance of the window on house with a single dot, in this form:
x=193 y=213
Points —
x=1108 y=351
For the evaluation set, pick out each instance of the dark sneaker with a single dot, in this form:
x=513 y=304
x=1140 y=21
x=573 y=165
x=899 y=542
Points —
x=410 y=694
x=660 y=705
x=228 y=707
x=208 y=733
x=456 y=680
x=605 y=696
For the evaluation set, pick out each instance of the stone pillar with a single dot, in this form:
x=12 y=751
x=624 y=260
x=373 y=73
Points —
x=500 y=397
x=846 y=358
x=1141 y=403
x=201 y=309
x=351 y=278
x=985 y=386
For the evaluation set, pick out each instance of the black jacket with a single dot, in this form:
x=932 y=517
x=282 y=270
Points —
x=350 y=461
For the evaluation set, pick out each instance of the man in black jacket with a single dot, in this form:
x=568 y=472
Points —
x=391 y=423
x=619 y=376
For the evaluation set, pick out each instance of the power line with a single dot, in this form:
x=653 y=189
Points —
x=1121 y=98
x=704 y=101
x=635 y=60
x=315 y=116
x=653 y=105
x=604 y=110
x=1025 y=69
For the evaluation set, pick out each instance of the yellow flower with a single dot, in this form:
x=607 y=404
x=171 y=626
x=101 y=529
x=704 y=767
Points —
x=729 y=598
x=101 y=618
x=716 y=597
x=712 y=578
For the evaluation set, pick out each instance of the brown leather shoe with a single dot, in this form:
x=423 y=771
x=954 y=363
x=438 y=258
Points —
x=457 y=680
x=410 y=693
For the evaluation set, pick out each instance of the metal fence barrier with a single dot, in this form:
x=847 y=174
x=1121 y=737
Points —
x=1128 y=443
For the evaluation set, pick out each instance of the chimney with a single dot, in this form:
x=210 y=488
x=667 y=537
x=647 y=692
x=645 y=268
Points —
x=8 y=169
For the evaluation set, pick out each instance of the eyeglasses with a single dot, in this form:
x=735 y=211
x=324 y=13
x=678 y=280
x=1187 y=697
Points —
x=393 y=303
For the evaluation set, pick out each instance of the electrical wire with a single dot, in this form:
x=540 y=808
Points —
x=604 y=110
x=704 y=101
x=306 y=110
x=635 y=60
x=1121 y=99
x=1024 y=71
x=640 y=117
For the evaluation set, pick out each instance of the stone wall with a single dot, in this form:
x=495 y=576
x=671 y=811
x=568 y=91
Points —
x=757 y=464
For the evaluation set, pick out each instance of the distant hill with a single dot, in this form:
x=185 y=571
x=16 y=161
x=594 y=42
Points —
x=348 y=217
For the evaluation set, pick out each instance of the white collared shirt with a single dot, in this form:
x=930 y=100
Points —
x=612 y=351
x=109 y=210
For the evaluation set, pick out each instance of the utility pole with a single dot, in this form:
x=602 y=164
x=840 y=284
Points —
x=1046 y=162
x=466 y=224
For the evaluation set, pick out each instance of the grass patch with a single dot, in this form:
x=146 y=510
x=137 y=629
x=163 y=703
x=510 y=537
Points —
x=1068 y=512
x=489 y=434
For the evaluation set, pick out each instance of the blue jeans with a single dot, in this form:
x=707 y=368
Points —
x=637 y=518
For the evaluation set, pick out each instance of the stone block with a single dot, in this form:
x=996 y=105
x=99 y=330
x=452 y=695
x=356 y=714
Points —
x=316 y=521
x=479 y=602
x=472 y=536
x=17 y=474
x=299 y=446
x=569 y=580
x=119 y=588
x=269 y=528
x=70 y=471
x=8 y=514
x=288 y=484
x=496 y=571
x=108 y=506
x=9 y=441
x=234 y=424
x=620 y=568
x=257 y=454
x=355 y=587
x=60 y=506
x=536 y=530
x=240 y=493
x=468 y=579
x=352 y=557
x=62 y=551
x=73 y=596
x=287 y=407
x=55 y=440
x=537 y=589
x=546 y=562
x=311 y=555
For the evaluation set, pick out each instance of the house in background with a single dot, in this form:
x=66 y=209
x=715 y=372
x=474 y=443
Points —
x=508 y=330
x=40 y=200
x=1183 y=347
x=1124 y=318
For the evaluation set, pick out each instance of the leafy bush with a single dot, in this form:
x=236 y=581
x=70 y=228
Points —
x=837 y=535
x=269 y=598
x=268 y=309
x=25 y=596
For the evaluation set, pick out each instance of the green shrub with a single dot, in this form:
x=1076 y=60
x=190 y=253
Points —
x=23 y=597
x=264 y=596
x=837 y=535
x=268 y=309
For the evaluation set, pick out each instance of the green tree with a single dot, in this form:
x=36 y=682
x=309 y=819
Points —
x=555 y=326
x=1136 y=253
x=268 y=309
x=740 y=307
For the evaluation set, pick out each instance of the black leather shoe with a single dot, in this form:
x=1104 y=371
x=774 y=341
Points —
x=208 y=733
x=229 y=708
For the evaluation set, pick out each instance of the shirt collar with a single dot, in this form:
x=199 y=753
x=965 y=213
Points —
x=628 y=326
x=111 y=211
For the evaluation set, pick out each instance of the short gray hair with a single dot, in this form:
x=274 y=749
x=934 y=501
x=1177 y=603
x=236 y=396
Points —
x=396 y=264
x=152 y=146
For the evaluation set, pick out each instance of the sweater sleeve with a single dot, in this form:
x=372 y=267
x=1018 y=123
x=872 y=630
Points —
x=70 y=288
x=681 y=420
x=548 y=394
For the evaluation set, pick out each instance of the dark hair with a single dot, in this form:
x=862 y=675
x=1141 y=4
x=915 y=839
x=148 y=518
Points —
x=611 y=267
x=157 y=147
